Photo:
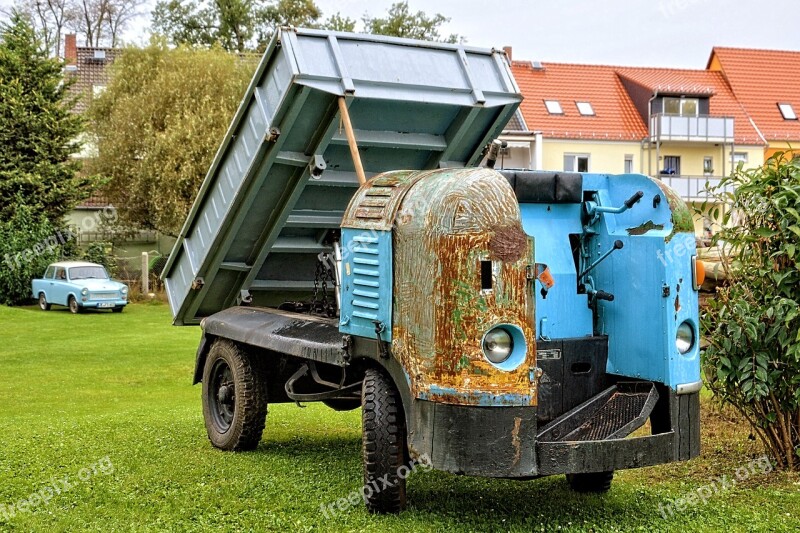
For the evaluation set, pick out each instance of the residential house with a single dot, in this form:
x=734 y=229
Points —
x=767 y=85
x=682 y=126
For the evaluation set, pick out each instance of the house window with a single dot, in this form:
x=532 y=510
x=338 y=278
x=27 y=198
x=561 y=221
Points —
x=585 y=108
x=672 y=164
x=708 y=165
x=576 y=162
x=685 y=107
x=553 y=107
x=787 y=111
x=739 y=157
x=629 y=164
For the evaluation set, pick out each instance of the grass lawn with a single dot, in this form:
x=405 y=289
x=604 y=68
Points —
x=99 y=417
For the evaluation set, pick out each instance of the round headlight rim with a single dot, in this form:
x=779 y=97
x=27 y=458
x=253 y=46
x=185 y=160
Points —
x=683 y=344
x=84 y=291
x=509 y=342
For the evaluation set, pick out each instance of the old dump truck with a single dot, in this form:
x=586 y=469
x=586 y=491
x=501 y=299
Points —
x=345 y=248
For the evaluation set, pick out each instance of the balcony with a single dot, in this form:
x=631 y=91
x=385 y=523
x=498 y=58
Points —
x=692 y=188
x=703 y=128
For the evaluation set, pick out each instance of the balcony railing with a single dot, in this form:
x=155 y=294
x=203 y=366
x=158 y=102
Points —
x=703 y=128
x=693 y=188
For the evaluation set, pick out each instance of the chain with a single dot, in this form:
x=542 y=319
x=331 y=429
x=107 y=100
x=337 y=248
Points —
x=321 y=302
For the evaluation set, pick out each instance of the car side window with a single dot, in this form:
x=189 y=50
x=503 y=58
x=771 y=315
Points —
x=49 y=272
x=61 y=273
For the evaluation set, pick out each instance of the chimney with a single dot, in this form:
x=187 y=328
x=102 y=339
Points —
x=507 y=50
x=70 y=50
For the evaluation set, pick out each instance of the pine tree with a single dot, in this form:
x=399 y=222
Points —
x=38 y=133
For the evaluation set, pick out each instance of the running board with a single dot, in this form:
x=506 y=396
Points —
x=613 y=414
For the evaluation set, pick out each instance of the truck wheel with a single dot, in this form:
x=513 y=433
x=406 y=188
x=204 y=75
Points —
x=234 y=398
x=74 y=308
x=43 y=305
x=591 y=482
x=384 y=445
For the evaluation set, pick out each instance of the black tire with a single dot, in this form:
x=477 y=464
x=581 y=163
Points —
x=591 y=482
x=384 y=445
x=43 y=305
x=342 y=404
x=74 y=308
x=234 y=398
x=117 y=309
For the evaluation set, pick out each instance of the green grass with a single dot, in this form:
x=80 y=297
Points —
x=77 y=389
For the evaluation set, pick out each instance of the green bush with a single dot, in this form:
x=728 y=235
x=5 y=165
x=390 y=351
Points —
x=753 y=325
x=28 y=243
x=102 y=253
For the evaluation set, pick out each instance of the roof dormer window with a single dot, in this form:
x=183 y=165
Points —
x=553 y=107
x=787 y=111
x=585 y=109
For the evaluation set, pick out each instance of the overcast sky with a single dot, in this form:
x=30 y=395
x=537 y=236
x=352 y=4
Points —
x=667 y=33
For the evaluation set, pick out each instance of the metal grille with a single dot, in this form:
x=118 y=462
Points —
x=618 y=411
x=104 y=295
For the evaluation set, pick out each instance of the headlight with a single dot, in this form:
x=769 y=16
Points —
x=497 y=345
x=684 y=338
x=85 y=291
x=124 y=290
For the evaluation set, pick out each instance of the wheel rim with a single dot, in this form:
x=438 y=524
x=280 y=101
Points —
x=73 y=305
x=42 y=301
x=222 y=396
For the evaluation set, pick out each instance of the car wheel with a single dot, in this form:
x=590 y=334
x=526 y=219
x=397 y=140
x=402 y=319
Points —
x=591 y=482
x=74 y=308
x=384 y=446
x=117 y=309
x=43 y=305
x=234 y=397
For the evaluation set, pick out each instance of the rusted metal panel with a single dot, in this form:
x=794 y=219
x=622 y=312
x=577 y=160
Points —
x=450 y=221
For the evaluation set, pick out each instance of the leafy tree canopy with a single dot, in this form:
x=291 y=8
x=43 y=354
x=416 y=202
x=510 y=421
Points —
x=239 y=25
x=158 y=126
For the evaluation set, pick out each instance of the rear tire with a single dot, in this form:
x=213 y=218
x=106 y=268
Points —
x=43 y=305
x=596 y=482
x=234 y=397
x=384 y=445
x=74 y=308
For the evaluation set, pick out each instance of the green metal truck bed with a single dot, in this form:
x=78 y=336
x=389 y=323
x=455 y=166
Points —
x=283 y=174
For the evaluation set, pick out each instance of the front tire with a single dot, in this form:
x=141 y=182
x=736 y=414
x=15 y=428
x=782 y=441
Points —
x=384 y=445
x=74 y=308
x=43 y=305
x=234 y=398
x=117 y=309
x=596 y=482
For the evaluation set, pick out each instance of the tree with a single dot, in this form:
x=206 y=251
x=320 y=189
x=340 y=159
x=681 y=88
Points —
x=237 y=25
x=337 y=22
x=37 y=173
x=753 y=325
x=400 y=22
x=158 y=126
x=37 y=131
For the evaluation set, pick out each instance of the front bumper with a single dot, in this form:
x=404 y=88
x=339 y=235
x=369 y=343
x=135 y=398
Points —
x=104 y=304
x=502 y=441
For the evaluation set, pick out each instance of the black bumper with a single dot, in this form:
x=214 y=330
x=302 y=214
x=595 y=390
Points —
x=502 y=441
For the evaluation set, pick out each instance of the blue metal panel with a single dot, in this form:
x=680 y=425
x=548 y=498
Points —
x=564 y=313
x=651 y=280
x=366 y=283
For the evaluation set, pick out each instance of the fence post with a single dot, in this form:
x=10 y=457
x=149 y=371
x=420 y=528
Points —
x=145 y=273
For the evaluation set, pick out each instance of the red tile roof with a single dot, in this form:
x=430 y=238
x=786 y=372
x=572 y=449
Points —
x=616 y=116
x=761 y=79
